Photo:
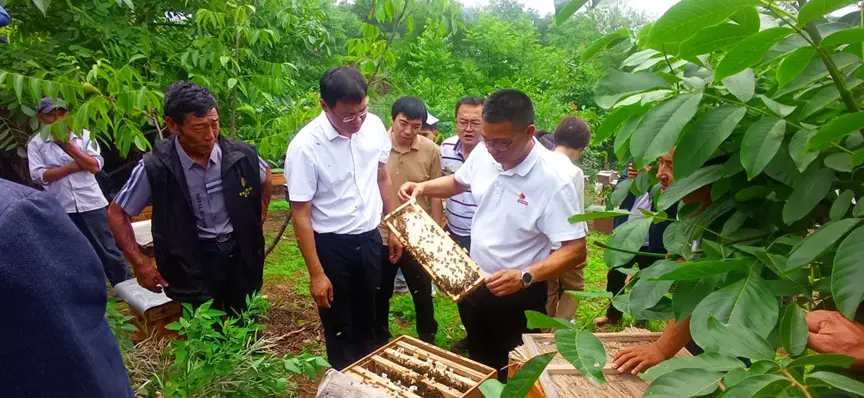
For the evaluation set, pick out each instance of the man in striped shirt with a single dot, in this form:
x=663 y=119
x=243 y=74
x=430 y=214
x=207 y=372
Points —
x=454 y=151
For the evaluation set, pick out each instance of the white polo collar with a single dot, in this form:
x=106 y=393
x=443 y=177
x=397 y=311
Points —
x=526 y=165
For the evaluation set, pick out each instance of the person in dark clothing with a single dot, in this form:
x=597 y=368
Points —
x=56 y=340
x=210 y=197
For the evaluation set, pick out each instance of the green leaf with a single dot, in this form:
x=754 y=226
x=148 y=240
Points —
x=647 y=293
x=761 y=142
x=620 y=192
x=617 y=85
x=739 y=341
x=776 y=107
x=710 y=361
x=622 y=140
x=841 y=206
x=712 y=39
x=231 y=83
x=858 y=210
x=688 y=294
x=840 y=161
x=685 y=383
x=742 y=85
x=492 y=388
x=817 y=8
x=794 y=64
x=584 y=351
x=798 y=149
x=595 y=215
x=837 y=381
x=734 y=223
x=846 y=36
x=537 y=320
x=820 y=241
x=817 y=71
x=750 y=51
x=614 y=121
x=840 y=361
x=42 y=5
x=640 y=57
x=846 y=279
x=580 y=294
x=750 y=386
x=681 y=188
x=660 y=128
x=688 y=17
x=603 y=42
x=628 y=236
x=695 y=270
x=564 y=10
x=18 y=83
x=747 y=303
x=793 y=329
x=641 y=184
x=224 y=60
x=807 y=194
x=837 y=128
x=524 y=379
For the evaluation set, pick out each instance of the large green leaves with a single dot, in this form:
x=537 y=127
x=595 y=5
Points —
x=798 y=150
x=793 y=329
x=686 y=18
x=522 y=382
x=794 y=64
x=711 y=361
x=751 y=386
x=750 y=51
x=739 y=341
x=565 y=9
x=846 y=36
x=688 y=294
x=817 y=8
x=808 y=192
x=838 y=381
x=584 y=350
x=537 y=320
x=742 y=84
x=596 y=215
x=660 y=128
x=605 y=42
x=696 y=270
x=846 y=279
x=836 y=129
x=747 y=303
x=628 y=236
x=679 y=189
x=841 y=206
x=817 y=243
x=617 y=85
x=761 y=142
x=713 y=38
x=840 y=361
x=615 y=119
x=647 y=293
x=685 y=383
x=697 y=146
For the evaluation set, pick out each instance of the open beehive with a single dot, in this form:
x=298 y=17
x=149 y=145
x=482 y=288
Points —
x=561 y=379
x=448 y=263
x=410 y=368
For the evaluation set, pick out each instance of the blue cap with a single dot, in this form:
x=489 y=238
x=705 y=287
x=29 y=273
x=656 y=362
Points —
x=47 y=105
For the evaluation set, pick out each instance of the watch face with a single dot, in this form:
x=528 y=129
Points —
x=526 y=278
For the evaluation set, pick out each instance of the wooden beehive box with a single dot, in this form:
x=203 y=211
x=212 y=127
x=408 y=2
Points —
x=448 y=263
x=410 y=368
x=561 y=379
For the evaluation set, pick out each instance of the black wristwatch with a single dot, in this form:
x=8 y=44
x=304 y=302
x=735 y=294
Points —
x=527 y=279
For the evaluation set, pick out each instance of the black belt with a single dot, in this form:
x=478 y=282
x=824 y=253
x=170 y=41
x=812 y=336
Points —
x=219 y=238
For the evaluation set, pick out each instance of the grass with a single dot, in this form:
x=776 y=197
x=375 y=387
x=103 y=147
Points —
x=286 y=264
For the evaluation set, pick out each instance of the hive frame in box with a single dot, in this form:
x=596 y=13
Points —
x=471 y=374
x=438 y=265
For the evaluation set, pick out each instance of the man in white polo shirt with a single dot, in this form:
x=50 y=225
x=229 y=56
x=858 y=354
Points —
x=523 y=202
x=338 y=186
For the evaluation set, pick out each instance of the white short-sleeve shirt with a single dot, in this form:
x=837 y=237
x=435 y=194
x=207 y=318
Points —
x=520 y=211
x=578 y=183
x=339 y=175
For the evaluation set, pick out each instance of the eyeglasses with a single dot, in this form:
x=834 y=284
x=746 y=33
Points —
x=349 y=119
x=464 y=124
x=498 y=145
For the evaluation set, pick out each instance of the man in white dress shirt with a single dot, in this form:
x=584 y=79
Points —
x=67 y=167
x=338 y=187
x=524 y=199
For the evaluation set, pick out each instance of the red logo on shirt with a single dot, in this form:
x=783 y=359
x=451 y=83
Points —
x=522 y=199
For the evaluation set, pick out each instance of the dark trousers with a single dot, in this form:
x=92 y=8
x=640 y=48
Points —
x=615 y=281
x=495 y=324
x=419 y=284
x=94 y=225
x=226 y=277
x=465 y=242
x=353 y=265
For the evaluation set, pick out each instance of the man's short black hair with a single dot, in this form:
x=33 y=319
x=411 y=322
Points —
x=471 y=100
x=183 y=98
x=412 y=107
x=573 y=133
x=509 y=105
x=433 y=126
x=546 y=139
x=344 y=84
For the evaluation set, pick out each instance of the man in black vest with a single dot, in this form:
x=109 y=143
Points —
x=209 y=197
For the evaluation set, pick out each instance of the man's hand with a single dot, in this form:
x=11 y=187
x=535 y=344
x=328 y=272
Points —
x=832 y=333
x=505 y=282
x=322 y=290
x=638 y=359
x=631 y=172
x=148 y=277
x=410 y=190
x=394 y=246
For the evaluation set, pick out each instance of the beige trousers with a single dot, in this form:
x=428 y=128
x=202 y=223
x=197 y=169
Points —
x=558 y=304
